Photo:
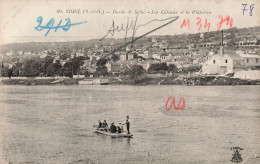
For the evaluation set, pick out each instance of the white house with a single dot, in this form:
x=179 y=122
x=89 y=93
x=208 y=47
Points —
x=132 y=55
x=27 y=53
x=127 y=49
x=165 y=56
x=79 y=53
x=145 y=54
x=124 y=56
x=202 y=35
x=156 y=56
x=154 y=40
x=251 y=41
x=43 y=55
x=56 y=59
x=20 y=52
x=223 y=63
x=10 y=53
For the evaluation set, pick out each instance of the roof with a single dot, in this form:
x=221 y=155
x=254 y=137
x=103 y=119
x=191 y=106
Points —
x=164 y=54
x=227 y=52
x=123 y=53
x=115 y=64
x=251 y=56
x=158 y=52
x=234 y=56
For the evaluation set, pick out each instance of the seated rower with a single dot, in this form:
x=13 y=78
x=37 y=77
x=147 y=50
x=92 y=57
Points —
x=105 y=126
x=99 y=124
x=120 y=128
x=113 y=128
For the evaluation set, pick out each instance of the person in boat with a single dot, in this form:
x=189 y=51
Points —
x=113 y=128
x=105 y=126
x=120 y=128
x=128 y=124
x=99 y=124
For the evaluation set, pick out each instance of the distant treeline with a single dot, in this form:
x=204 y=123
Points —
x=43 y=67
x=182 y=40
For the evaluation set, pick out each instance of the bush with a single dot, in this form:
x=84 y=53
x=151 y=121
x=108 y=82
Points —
x=158 y=67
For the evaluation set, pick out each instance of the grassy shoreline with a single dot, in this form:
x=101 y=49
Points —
x=127 y=81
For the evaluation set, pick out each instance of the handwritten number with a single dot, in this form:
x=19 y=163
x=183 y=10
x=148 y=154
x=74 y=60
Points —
x=207 y=24
x=50 y=25
x=228 y=20
x=199 y=22
x=244 y=9
x=39 y=20
x=251 y=9
x=68 y=24
x=58 y=26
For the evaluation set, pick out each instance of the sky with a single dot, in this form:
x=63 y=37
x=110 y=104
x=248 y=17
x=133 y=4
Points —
x=18 y=18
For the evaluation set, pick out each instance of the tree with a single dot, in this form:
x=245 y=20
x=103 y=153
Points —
x=48 y=59
x=115 y=58
x=172 y=68
x=16 y=69
x=158 y=67
x=6 y=72
x=76 y=63
x=87 y=58
x=86 y=53
x=45 y=63
x=64 y=56
x=101 y=62
x=191 y=68
x=86 y=73
x=81 y=58
x=53 y=69
x=101 y=70
x=32 y=68
x=137 y=73
x=66 y=70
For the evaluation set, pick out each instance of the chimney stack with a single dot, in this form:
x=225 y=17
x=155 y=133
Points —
x=221 y=46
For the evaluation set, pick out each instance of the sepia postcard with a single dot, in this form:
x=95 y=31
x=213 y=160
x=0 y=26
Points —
x=129 y=82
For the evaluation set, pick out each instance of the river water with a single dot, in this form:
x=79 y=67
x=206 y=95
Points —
x=54 y=124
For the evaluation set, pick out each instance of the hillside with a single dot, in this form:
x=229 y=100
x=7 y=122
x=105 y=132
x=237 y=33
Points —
x=172 y=41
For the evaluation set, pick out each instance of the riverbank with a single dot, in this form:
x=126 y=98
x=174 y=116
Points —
x=205 y=81
x=172 y=80
x=32 y=81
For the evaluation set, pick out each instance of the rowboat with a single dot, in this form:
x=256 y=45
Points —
x=124 y=134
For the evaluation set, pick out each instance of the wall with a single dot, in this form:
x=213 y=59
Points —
x=156 y=75
x=251 y=62
x=253 y=75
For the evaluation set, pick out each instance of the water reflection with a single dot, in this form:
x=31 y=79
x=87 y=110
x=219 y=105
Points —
x=129 y=141
x=121 y=140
